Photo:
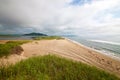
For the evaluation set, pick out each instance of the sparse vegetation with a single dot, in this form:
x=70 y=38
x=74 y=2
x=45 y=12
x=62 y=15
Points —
x=5 y=49
x=47 y=38
x=50 y=67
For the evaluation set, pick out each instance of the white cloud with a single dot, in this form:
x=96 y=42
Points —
x=58 y=16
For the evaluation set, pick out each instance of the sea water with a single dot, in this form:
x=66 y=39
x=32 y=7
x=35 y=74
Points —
x=15 y=37
x=110 y=47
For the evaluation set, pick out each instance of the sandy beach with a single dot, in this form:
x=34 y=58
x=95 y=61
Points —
x=68 y=49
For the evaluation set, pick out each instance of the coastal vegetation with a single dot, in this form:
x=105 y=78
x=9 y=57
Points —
x=51 y=67
x=47 y=38
x=5 y=49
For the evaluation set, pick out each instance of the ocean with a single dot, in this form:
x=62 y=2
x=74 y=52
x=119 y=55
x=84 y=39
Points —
x=15 y=37
x=108 y=47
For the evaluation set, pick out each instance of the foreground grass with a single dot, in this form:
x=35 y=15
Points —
x=5 y=49
x=47 y=38
x=52 y=68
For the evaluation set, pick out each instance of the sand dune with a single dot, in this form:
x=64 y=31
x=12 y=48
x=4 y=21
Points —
x=71 y=50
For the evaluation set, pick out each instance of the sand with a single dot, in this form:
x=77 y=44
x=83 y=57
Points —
x=67 y=49
x=3 y=41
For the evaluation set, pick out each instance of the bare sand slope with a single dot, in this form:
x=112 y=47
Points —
x=73 y=51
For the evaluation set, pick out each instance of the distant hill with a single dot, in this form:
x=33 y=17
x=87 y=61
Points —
x=35 y=34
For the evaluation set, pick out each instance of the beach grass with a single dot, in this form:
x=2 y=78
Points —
x=5 y=49
x=51 y=67
x=47 y=38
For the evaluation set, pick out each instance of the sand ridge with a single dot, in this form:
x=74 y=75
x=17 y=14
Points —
x=71 y=50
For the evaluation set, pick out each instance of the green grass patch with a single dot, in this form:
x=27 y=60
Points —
x=47 y=38
x=6 y=48
x=50 y=67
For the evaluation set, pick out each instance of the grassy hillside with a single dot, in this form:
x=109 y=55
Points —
x=5 y=49
x=52 y=68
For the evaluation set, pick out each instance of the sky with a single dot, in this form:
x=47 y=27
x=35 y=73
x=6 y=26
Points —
x=61 y=17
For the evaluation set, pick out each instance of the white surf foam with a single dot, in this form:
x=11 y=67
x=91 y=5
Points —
x=108 y=42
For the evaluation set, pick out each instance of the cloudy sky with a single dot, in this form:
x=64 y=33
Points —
x=77 y=17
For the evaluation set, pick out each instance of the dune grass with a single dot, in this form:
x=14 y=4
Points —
x=51 y=67
x=47 y=38
x=6 y=48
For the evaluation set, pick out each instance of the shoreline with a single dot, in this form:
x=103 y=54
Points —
x=111 y=55
x=68 y=49
x=111 y=59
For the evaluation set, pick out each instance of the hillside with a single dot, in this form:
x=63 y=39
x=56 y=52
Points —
x=35 y=34
x=51 y=67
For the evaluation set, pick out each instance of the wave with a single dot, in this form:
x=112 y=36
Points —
x=107 y=42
